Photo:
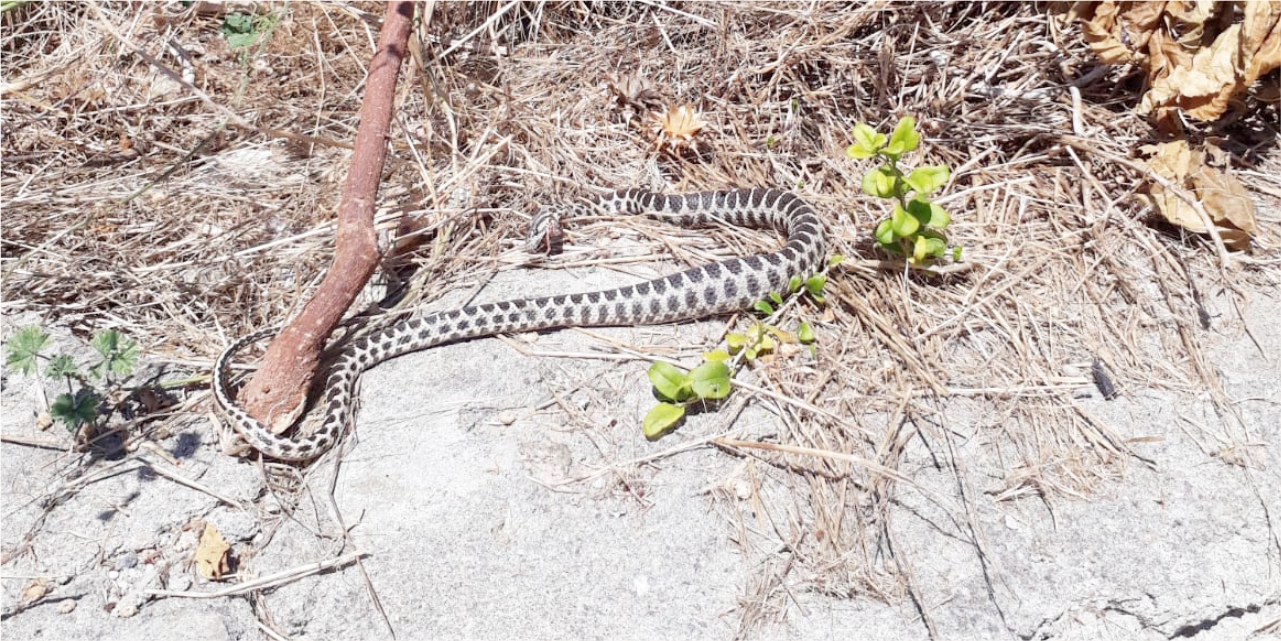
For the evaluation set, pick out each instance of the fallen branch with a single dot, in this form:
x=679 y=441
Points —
x=277 y=394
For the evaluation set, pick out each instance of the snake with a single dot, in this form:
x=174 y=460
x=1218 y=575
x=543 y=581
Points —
x=722 y=287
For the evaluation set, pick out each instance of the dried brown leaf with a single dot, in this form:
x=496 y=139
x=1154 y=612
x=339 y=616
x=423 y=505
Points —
x=212 y=554
x=35 y=591
x=1196 y=59
x=1193 y=14
x=1204 y=87
x=1101 y=32
x=1261 y=39
x=1223 y=197
x=1226 y=199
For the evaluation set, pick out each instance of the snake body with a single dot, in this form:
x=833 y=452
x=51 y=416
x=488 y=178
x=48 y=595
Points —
x=717 y=288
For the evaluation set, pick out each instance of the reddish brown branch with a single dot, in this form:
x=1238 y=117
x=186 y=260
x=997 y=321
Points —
x=277 y=393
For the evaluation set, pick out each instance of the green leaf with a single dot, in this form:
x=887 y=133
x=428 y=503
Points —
x=710 y=380
x=716 y=356
x=880 y=182
x=662 y=418
x=835 y=260
x=793 y=284
x=866 y=142
x=74 y=411
x=904 y=223
x=237 y=23
x=934 y=233
x=669 y=381
x=24 y=347
x=106 y=343
x=780 y=334
x=814 y=285
x=238 y=29
x=61 y=366
x=241 y=40
x=805 y=333
x=956 y=253
x=244 y=30
x=885 y=233
x=119 y=353
x=764 y=344
x=776 y=297
x=763 y=307
x=904 y=138
x=735 y=342
x=927 y=213
x=858 y=152
x=926 y=246
x=926 y=179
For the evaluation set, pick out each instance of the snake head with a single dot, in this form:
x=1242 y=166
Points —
x=545 y=231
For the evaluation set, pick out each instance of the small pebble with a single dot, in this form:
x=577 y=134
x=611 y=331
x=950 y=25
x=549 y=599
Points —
x=66 y=606
x=126 y=561
x=507 y=417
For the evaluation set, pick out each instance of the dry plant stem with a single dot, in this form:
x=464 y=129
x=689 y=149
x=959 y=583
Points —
x=871 y=466
x=270 y=581
x=278 y=392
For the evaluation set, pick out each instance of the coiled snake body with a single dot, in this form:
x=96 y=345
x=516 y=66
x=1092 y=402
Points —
x=718 y=288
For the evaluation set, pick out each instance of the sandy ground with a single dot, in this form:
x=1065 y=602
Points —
x=471 y=528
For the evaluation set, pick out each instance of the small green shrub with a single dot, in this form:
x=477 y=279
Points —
x=915 y=228
x=117 y=356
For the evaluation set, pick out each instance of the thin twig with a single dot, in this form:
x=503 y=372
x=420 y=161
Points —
x=267 y=582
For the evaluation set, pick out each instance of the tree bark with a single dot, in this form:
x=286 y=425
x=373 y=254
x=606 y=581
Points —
x=277 y=393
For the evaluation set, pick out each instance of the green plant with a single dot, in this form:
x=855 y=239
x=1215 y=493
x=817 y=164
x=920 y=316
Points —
x=679 y=389
x=915 y=229
x=760 y=338
x=117 y=355
x=243 y=30
x=710 y=381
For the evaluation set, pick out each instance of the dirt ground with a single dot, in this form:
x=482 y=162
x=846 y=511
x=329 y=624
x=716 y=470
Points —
x=943 y=465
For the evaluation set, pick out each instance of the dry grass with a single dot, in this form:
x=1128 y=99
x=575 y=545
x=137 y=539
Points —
x=155 y=181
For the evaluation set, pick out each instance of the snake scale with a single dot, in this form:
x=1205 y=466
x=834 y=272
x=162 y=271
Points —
x=718 y=288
